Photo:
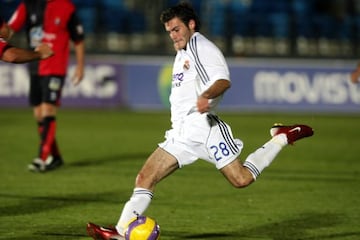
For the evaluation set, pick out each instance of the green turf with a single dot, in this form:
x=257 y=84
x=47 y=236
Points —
x=311 y=191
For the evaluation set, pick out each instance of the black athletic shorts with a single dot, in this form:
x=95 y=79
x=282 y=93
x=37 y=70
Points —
x=45 y=89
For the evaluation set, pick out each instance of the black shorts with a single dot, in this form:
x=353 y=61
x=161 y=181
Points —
x=45 y=89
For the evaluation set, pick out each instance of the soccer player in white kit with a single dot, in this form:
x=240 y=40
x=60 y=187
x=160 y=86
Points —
x=200 y=78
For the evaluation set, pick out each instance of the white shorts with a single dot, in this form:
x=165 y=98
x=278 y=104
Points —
x=202 y=136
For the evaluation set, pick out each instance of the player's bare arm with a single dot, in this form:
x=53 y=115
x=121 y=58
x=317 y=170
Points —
x=80 y=62
x=215 y=90
x=19 y=55
x=355 y=75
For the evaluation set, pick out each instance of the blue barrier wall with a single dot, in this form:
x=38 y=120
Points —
x=257 y=85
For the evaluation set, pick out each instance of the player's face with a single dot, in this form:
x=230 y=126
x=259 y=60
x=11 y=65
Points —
x=179 y=33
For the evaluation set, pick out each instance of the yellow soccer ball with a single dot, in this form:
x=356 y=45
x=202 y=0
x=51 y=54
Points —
x=142 y=228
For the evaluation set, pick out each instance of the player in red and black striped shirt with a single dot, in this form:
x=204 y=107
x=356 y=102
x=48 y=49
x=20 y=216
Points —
x=54 y=22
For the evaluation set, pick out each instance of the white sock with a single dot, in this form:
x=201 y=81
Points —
x=257 y=161
x=137 y=204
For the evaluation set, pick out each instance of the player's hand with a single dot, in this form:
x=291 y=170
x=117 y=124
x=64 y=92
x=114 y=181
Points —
x=203 y=104
x=355 y=75
x=78 y=76
x=75 y=80
x=44 y=50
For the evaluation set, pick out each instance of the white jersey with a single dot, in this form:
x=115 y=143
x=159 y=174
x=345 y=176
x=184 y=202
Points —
x=196 y=135
x=194 y=71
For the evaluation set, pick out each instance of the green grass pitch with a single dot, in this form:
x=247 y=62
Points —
x=311 y=191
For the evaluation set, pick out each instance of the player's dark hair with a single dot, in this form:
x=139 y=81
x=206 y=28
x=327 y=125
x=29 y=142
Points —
x=184 y=11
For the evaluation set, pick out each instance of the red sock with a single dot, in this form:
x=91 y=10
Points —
x=47 y=137
x=55 y=151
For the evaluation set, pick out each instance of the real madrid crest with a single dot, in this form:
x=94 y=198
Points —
x=186 y=65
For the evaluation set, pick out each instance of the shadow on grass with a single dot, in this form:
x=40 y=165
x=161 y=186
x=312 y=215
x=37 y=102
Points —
x=288 y=229
x=33 y=204
x=63 y=232
x=109 y=159
x=313 y=175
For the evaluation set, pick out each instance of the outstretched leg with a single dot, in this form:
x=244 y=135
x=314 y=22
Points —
x=242 y=175
x=158 y=166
